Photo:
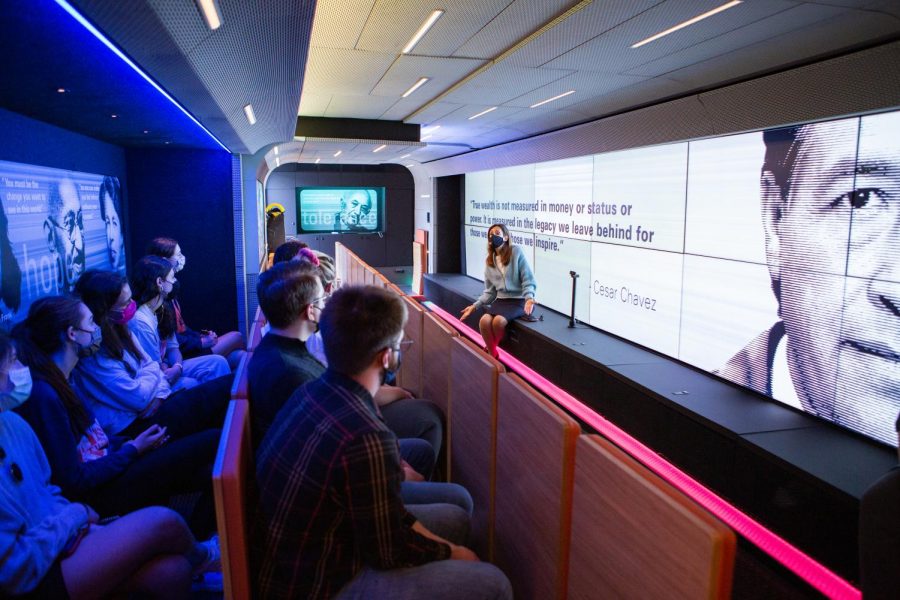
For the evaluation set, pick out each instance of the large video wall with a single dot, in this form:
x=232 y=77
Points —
x=54 y=225
x=771 y=259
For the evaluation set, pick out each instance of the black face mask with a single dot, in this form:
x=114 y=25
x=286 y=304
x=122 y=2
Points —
x=496 y=241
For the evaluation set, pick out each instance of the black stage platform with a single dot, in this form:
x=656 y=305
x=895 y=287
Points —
x=798 y=475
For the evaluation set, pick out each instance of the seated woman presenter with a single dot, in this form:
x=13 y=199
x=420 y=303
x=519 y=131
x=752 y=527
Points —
x=509 y=288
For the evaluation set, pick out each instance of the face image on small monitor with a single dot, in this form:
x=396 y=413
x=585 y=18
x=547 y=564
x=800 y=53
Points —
x=340 y=210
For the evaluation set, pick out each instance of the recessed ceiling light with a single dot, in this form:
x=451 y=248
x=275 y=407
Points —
x=275 y=150
x=277 y=162
x=248 y=111
x=380 y=148
x=114 y=116
x=418 y=35
x=338 y=153
x=211 y=13
x=552 y=99
x=167 y=143
x=709 y=13
x=317 y=160
x=146 y=131
x=482 y=113
x=61 y=90
x=422 y=81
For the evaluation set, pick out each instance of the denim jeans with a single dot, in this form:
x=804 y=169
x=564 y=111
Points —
x=432 y=492
x=419 y=454
x=439 y=580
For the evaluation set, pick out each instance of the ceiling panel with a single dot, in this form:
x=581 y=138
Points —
x=547 y=121
x=515 y=22
x=358 y=107
x=612 y=52
x=313 y=105
x=635 y=95
x=392 y=24
x=434 y=152
x=586 y=84
x=496 y=136
x=339 y=24
x=502 y=83
x=788 y=21
x=340 y=71
x=407 y=70
x=846 y=29
x=584 y=25
x=461 y=116
x=406 y=106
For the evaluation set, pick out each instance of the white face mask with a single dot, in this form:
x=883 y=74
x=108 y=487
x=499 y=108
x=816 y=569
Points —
x=179 y=262
x=20 y=378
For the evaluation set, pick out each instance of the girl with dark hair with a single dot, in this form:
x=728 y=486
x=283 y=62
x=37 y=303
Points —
x=509 y=288
x=53 y=548
x=152 y=279
x=111 y=473
x=127 y=390
x=192 y=343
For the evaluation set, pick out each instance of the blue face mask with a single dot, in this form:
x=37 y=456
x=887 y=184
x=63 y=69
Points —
x=20 y=378
x=496 y=241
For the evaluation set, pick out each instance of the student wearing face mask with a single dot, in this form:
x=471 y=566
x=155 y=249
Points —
x=193 y=343
x=124 y=387
x=330 y=474
x=509 y=287
x=54 y=548
x=152 y=279
x=408 y=417
x=113 y=474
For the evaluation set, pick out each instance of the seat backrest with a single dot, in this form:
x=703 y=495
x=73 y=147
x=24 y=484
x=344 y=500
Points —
x=240 y=387
x=471 y=432
x=636 y=536
x=255 y=336
x=436 y=338
x=232 y=469
x=533 y=498
x=410 y=375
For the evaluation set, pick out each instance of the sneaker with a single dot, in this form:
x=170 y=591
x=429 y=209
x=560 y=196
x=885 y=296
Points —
x=208 y=582
x=213 y=561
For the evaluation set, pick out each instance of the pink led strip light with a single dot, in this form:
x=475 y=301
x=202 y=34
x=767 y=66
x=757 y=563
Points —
x=815 y=574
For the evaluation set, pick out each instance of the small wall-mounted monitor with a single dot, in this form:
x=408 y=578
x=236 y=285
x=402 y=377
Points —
x=340 y=210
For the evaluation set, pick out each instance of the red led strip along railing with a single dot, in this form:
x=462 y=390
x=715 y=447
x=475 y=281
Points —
x=778 y=548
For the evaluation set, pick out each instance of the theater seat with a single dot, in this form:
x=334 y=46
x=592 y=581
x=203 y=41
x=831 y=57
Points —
x=240 y=387
x=232 y=469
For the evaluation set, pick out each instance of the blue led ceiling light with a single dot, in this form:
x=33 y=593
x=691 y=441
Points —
x=115 y=50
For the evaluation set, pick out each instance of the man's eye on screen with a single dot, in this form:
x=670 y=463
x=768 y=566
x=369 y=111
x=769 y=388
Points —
x=861 y=198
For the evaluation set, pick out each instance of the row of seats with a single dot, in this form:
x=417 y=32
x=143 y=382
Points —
x=233 y=471
x=565 y=515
